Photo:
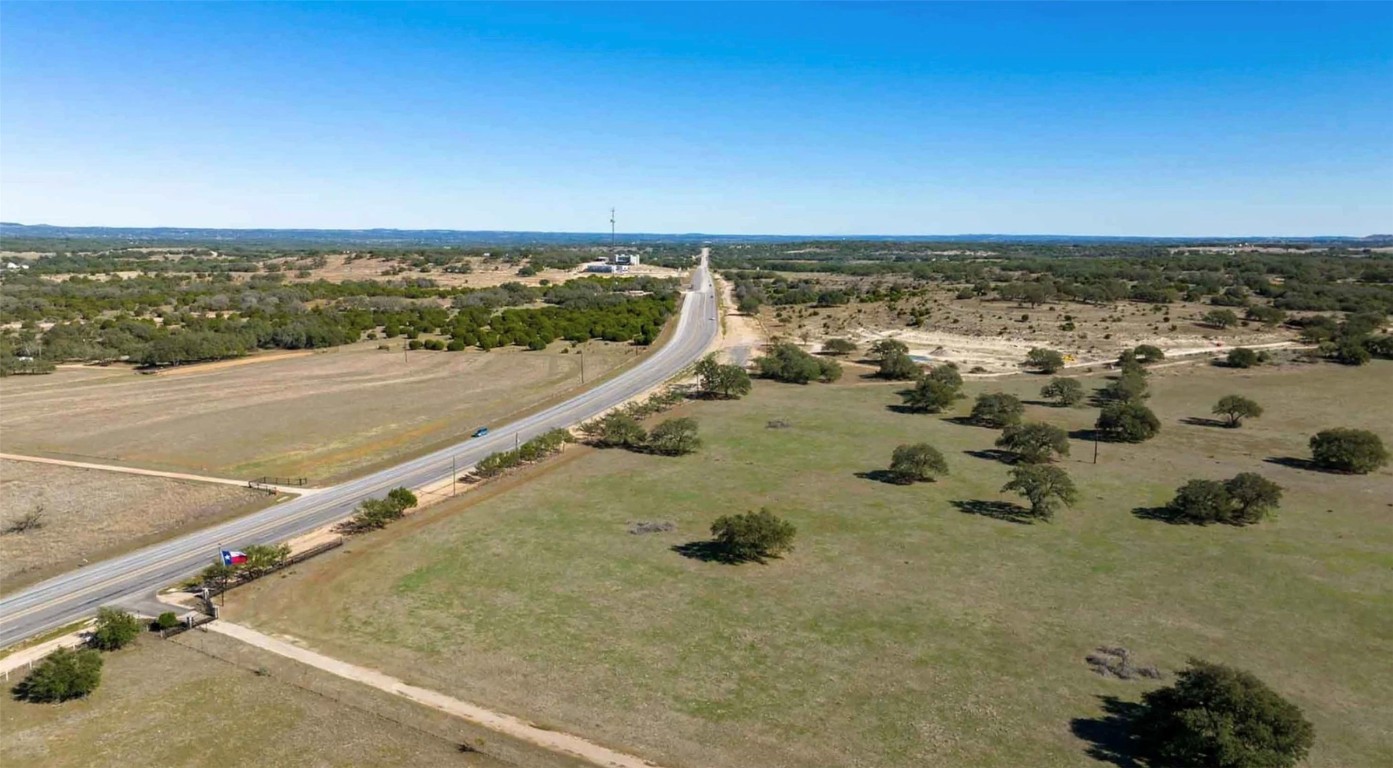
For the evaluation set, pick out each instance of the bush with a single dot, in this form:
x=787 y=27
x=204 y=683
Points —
x=1220 y=318
x=788 y=363
x=1149 y=353
x=1348 y=450
x=617 y=430
x=918 y=462
x=997 y=409
x=64 y=674
x=898 y=366
x=1035 y=442
x=167 y=620
x=1130 y=387
x=838 y=347
x=1064 y=391
x=115 y=629
x=674 y=437
x=1245 y=498
x=1236 y=408
x=373 y=514
x=1044 y=360
x=930 y=396
x=753 y=535
x=947 y=374
x=1128 y=422
x=1242 y=357
x=1220 y=716
x=886 y=347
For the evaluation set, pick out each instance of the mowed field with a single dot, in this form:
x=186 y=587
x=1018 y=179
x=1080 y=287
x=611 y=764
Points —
x=203 y=699
x=320 y=415
x=89 y=514
x=905 y=629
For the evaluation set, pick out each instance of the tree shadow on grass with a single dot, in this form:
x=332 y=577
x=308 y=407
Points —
x=883 y=476
x=998 y=510
x=1200 y=421
x=994 y=454
x=711 y=551
x=1161 y=514
x=967 y=421
x=1297 y=463
x=898 y=408
x=1111 y=737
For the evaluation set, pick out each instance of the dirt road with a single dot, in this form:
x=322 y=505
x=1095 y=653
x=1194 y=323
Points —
x=555 y=741
x=156 y=473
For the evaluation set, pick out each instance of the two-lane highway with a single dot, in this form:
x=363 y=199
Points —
x=79 y=593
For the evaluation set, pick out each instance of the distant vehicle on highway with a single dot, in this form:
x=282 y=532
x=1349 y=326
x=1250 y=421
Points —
x=481 y=431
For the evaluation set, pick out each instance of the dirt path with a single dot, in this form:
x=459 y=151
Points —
x=156 y=473
x=555 y=741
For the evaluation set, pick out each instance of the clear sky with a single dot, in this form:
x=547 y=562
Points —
x=1097 y=118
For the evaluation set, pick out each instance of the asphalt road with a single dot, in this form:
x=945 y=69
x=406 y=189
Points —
x=132 y=577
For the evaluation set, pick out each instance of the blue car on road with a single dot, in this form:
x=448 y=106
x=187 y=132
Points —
x=481 y=431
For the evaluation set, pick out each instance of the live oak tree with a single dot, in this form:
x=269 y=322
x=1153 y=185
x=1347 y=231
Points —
x=115 y=629
x=1044 y=360
x=838 y=346
x=1241 y=500
x=1348 y=450
x=898 y=366
x=674 y=437
x=753 y=535
x=1034 y=442
x=946 y=373
x=618 y=430
x=786 y=362
x=62 y=675
x=721 y=380
x=930 y=396
x=1127 y=422
x=1242 y=357
x=1220 y=318
x=1064 y=391
x=1045 y=486
x=1236 y=408
x=1252 y=496
x=916 y=463
x=1216 y=715
x=997 y=409
x=1149 y=353
x=886 y=347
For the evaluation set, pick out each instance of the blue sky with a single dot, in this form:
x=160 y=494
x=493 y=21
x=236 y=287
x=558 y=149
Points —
x=1095 y=118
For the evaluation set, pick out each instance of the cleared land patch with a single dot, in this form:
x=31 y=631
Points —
x=202 y=699
x=320 y=416
x=905 y=629
x=88 y=514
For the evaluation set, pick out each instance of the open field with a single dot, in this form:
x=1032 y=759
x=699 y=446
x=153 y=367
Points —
x=321 y=415
x=203 y=699
x=89 y=514
x=905 y=629
x=991 y=334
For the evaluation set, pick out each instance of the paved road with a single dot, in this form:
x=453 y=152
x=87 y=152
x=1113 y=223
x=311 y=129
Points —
x=79 y=593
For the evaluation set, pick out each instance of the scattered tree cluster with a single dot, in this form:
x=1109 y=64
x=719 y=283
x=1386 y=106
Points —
x=1241 y=500
x=375 y=514
x=536 y=449
x=788 y=363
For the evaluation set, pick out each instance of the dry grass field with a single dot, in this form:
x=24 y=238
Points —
x=319 y=415
x=993 y=335
x=89 y=514
x=203 y=699
x=911 y=626
x=485 y=274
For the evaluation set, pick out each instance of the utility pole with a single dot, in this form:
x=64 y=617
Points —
x=1095 y=446
x=517 y=441
x=453 y=476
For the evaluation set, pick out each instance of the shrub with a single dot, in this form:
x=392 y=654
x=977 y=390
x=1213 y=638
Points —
x=1236 y=408
x=947 y=374
x=1242 y=357
x=1128 y=422
x=753 y=535
x=167 y=620
x=1149 y=353
x=719 y=380
x=1065 y=391
x=838 y=347
x=898 y=366
x=1130 y=387
x=1034 y=442
x=617 y=430
x=1044 y=360
x=997 y=409
x=674 y=437
x=115 y=629
x=788 y=363
x=1220 y=318
x=1348 y=450
x=64 y=674
x=1202 y=501
x=1220 y=716
x=930 y=396
x=918 y=462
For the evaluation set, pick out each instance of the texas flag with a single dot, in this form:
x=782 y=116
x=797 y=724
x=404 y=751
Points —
x=233 y=557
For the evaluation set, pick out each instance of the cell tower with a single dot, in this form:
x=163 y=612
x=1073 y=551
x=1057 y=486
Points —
x=611 y=230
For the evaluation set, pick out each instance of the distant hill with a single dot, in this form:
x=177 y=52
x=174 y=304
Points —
x=398 y=238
